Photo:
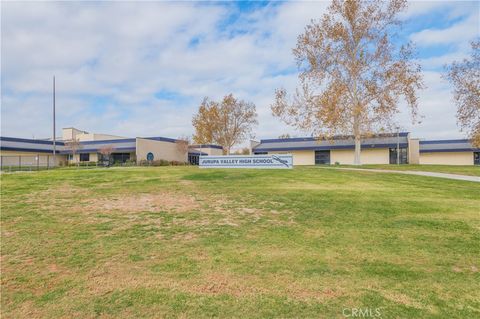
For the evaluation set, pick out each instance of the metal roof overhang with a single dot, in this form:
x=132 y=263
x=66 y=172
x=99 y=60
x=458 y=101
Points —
x=445 y=150
x=329 y=147
x=95 y=150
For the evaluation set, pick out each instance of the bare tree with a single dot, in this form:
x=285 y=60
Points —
x=73 y=146
x=225 y=123
x=182 y=144
x=351 y=73
x=465 y=77
x=106 y=151
x=284 y=136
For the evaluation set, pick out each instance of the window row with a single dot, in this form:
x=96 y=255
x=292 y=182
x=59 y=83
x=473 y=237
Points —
x=113 y=158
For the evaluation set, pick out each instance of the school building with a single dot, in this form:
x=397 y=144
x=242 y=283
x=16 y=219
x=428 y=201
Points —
x=90 y=148
x=378 y=149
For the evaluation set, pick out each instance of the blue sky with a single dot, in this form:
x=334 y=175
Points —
x=142 y=68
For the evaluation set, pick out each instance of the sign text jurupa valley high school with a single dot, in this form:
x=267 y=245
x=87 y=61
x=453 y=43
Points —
x=257 y=161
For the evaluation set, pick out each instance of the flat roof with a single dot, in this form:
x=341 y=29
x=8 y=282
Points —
x=33 y=145
x=206 y=146
x=337 y=142
x=460 y=145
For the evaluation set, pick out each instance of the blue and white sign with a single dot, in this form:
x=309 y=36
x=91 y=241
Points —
x=247 y=161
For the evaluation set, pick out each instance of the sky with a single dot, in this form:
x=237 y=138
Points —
x=142 y=68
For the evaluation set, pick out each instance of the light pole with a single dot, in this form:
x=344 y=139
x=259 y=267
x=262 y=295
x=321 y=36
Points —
x=54 y=137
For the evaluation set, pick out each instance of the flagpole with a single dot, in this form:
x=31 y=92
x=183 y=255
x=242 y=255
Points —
x=54 y=137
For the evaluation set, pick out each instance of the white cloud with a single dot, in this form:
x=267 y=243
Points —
x=437 y=62
x=461 y=32
x=126 y=52
x=437 y=109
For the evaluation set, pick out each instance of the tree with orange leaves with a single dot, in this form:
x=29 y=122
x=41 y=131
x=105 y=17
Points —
x=226 y=123
x=465 y=77
x=351 y=73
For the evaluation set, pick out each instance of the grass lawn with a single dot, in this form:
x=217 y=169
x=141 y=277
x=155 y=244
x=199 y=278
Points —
x=186 y=242
x=473 y=170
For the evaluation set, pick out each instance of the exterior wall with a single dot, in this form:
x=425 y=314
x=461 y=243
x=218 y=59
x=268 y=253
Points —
x=97 y=137
x=160 y=149
x=209 y=150
x=368 y=156
x=14 y=158
x=300 y=157
x=70 y=133
x=214 y=151
x=19 y=153
x=93 y=158
x=413 y=151
x=447 y=158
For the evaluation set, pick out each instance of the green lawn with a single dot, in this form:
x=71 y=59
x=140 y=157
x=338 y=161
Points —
x=473 y=170
x=191 y=243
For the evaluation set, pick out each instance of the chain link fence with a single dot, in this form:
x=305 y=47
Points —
x=12 y=163
x=27 y=162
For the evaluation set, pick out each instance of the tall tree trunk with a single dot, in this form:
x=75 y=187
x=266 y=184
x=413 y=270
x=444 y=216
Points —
x=356 y=160
x=358 y=141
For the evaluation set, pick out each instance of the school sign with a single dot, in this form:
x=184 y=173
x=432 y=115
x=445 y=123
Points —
x=240 y=161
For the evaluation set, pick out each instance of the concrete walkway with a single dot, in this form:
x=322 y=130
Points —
x=421 y=173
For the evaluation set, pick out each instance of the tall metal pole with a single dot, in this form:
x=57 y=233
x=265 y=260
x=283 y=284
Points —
x=54 y=137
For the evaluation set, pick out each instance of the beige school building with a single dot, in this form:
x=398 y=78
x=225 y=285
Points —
x=20 y=151
x=378 y=149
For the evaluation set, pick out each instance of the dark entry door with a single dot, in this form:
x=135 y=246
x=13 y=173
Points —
x=476 y=158
x=322 y=157
x=193 y=159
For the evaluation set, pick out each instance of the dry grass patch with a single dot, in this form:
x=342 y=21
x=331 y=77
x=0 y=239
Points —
x=215 y=283
x=58 y=195
x=162 y=201
x=236 y=216
x=113 y=278
x=403 y=299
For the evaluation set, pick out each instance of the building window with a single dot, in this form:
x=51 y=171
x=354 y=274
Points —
x=403 y=155
x=120 y=157
x=476 y=158
x=70 y=157
x=260 y=153
x=85 y=157
x=322 y=157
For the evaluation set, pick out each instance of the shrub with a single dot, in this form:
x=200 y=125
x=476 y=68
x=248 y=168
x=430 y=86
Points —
x=131 y=162
x=177 y=163
x=88 y=164
x=160 y=162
